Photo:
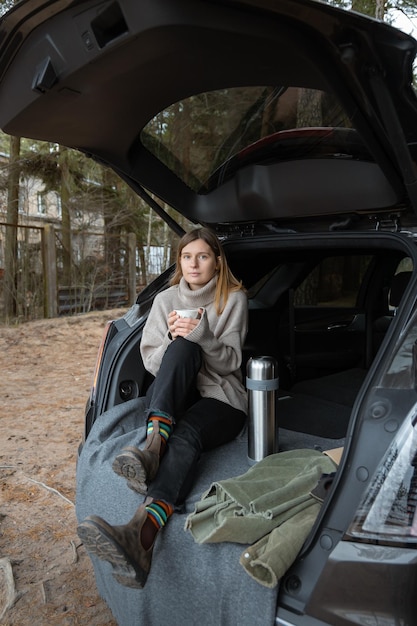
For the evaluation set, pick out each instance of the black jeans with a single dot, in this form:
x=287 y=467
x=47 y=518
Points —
x=200 y=423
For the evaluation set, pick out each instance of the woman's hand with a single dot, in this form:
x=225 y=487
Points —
x=182 y=326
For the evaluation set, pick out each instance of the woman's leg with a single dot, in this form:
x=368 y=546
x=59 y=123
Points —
x=172 y=391
x=206 y=424
x=127 y=548
x=174 y=387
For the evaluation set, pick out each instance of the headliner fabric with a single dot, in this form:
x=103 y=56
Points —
x=189 y=583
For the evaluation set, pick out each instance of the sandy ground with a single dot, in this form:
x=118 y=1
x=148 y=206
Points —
x=46 y=371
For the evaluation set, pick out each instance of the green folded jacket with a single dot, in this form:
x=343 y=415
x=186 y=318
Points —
x=270 y=506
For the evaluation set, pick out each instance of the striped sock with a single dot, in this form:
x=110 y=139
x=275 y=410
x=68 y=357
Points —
x=159 y=512
x=165 y=425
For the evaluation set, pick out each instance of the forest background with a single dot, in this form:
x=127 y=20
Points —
x=95 y=275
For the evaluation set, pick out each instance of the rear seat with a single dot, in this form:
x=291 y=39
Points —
x=321 y=406
x=341 y=388
x=381 y=325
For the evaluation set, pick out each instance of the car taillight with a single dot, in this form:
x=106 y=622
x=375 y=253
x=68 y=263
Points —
x=388 y=512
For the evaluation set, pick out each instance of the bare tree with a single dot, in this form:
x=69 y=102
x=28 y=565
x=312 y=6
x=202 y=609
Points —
x=66 y=214
x=11 y=244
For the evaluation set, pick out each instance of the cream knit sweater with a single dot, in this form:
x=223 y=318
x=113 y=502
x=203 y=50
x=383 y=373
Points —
x=221 y=339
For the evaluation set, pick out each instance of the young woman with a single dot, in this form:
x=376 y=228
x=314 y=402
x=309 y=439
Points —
x=196 y=402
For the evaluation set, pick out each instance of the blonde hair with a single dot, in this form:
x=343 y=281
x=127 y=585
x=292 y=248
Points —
x=226 y=281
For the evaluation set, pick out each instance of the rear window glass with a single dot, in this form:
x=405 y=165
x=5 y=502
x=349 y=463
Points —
x=205 y=138
x=335 y=282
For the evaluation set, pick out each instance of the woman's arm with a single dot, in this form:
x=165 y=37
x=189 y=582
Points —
x=222 y=347
x=155 y=337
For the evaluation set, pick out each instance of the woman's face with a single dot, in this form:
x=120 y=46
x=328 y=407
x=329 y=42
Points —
x=198 y=263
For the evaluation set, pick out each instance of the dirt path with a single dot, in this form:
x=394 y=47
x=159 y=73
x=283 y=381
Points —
x=45 y=376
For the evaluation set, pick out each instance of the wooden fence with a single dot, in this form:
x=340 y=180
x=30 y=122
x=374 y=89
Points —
x=38 y=288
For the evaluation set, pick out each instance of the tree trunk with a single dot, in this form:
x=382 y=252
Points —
x=113 y=220
x=380 y=9
x=66 y=217
x=309 y=108
x=11 y=249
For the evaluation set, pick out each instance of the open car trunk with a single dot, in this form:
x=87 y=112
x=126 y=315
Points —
x=323 y=310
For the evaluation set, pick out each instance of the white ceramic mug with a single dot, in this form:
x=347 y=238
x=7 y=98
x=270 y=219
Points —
x=193 y=313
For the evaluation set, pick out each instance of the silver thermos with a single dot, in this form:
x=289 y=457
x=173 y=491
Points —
x=262 y=384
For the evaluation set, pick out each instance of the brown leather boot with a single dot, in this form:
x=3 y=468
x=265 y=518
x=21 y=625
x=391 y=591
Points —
x=121 y=546
x=139 y=467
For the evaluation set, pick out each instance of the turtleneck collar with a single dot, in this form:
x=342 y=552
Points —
x=198 y=297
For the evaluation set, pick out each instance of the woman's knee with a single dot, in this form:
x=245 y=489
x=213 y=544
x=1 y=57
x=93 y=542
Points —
x=181 y=348
x=213 y=422
x=187 y=433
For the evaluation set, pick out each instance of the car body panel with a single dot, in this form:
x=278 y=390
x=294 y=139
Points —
x=91 y=75
x=361 y=565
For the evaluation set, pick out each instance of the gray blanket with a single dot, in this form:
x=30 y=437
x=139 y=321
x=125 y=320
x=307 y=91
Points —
x=189 y=583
